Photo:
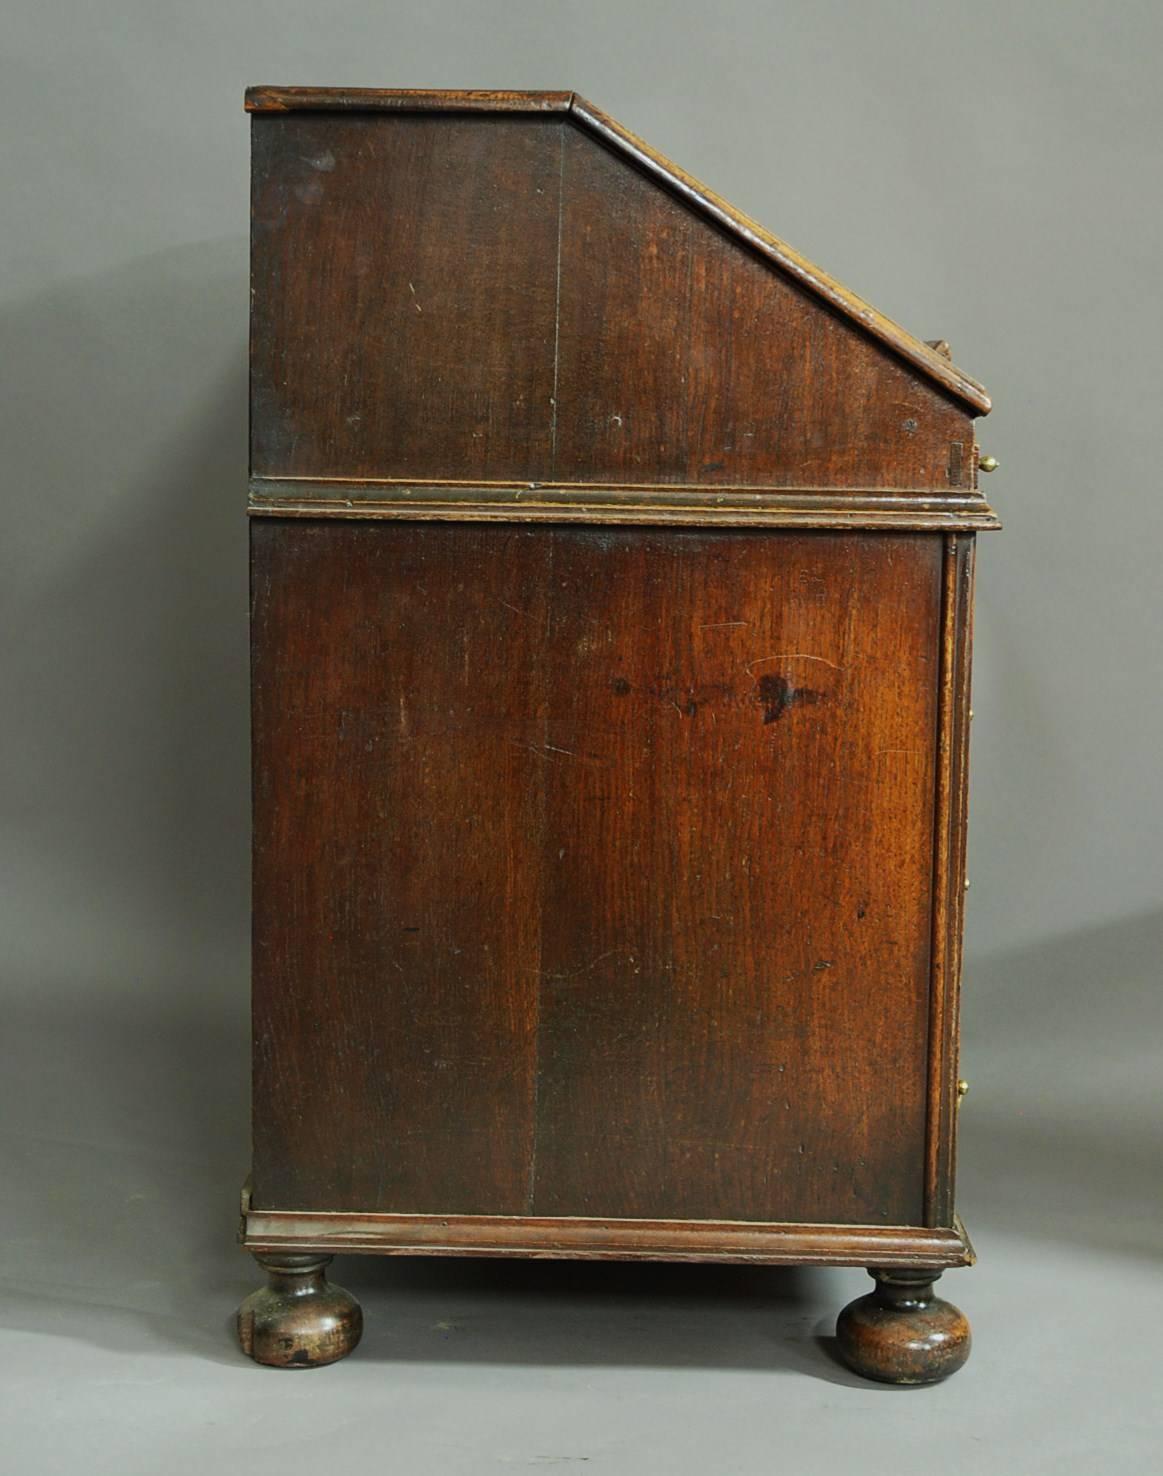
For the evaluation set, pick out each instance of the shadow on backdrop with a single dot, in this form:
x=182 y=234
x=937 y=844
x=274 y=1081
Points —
x=125 y=736
x=123 y=1080
x=1060 y=1133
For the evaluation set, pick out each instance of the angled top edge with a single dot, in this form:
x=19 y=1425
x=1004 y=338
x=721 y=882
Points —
x=934 y=365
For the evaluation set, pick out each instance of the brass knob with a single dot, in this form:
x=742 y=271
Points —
x=988 y=463
x=967 y=884
x=962 y=1091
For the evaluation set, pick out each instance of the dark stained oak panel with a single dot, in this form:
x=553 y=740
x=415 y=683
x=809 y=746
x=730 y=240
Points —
x=734 y=1000
x=683 y=357
x=498 y=297
x=396 y=885
x=593 y=870
x=404 y=273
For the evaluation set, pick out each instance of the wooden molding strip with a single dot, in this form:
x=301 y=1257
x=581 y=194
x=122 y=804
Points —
x=402 y=100
x=950 y=817
x=592 y=1239
x=942 y=879
x=921 y=355
x=562 y=502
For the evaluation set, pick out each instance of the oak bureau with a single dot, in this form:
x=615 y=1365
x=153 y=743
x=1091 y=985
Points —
x=611 y=573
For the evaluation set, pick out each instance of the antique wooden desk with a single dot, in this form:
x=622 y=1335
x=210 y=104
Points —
x=611 y=577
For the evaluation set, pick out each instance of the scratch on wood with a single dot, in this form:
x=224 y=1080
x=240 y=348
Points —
x=583 y=969
x=792 y=656
x=543 y=748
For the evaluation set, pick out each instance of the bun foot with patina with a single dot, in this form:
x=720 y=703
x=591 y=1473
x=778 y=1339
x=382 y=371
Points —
x=299 y=1320
x=902 y=1333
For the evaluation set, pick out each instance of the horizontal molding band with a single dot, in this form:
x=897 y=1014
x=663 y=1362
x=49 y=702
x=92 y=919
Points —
x=376 y=99
x=593 y=1239
x=575 y=502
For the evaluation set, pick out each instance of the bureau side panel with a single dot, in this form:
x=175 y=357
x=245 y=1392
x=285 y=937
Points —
x=593 y=871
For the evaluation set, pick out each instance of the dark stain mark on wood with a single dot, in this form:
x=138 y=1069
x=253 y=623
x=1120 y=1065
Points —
x=620 y=687
x=776 y=694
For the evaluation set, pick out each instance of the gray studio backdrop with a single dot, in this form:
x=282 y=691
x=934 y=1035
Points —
x=986 y=173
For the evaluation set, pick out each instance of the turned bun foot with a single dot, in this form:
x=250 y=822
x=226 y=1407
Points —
x=299 y=1320
x=902 y=1333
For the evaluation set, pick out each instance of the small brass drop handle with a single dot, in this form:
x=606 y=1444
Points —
x=988 y=463
x=962 y=1091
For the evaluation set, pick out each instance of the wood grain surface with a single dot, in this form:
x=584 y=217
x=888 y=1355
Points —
x=405 y=295
x=504 y=296
x=932 y=357
x=684 y=358
x=593 y=870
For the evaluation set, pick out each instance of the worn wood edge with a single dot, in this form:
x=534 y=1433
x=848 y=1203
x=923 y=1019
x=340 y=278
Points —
x=949 y=835
x=561 y=502
x=402 y=100
x=938 y=959
x=902 y=522
x=777 y=251
x=244 y=1200
x=640 y=154
x=326 y=1232
x=411 y=488
x=707 y=202
x=970 y=1252
x=958 y=845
